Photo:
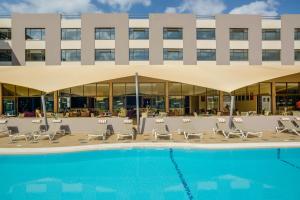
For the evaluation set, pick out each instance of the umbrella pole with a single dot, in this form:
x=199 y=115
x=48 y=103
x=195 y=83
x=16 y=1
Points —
x=137 y=103
x=44 y=110
x=231 y=111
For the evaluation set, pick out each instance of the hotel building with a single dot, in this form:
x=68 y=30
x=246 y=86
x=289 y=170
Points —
x=30 y=40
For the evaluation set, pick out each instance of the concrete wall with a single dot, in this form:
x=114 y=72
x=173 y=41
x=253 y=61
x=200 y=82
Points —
x=91 y=21
x=51 y=22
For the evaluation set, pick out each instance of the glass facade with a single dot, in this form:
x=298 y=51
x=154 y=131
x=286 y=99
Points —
x=206 y=54
x=35 y=33
x=271 y=34
x=271 y=55
x=138 y=33
x=172 y=34
x=238 y=54
x=104 y=54
x=5 y=55
x=297 y=33
x=104 y=33
x=173 y=54
x=297 y=54
x=5 y=33
x=35 y=55
x=287 y=97
x=206 y=34
x=138 y=54
x=70 y=33
x=70 y=55
x=238 y=34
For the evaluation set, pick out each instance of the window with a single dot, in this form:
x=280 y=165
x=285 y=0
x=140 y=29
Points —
x=271 y=55
x=238 y=34
x=271 y=34
x=70 y=34
x=138 y=33
x=5 y=33
x=206 y=54
x=139 y=54
x=173 y=54
x=238 y=54
x=104 y=54
x=206 y=34
x=105 y=33
x=35 y=33
x=70 y=55
x=173 y=33
x=35 y=54
x=297 y=54
x=5 y=55
x=297 y=33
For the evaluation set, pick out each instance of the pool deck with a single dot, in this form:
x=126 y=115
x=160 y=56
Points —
x=79 y=142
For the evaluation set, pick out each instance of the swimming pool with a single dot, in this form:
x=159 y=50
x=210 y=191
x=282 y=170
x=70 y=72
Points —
x=153 y=174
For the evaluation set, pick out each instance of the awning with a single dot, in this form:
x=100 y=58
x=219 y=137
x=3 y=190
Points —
x=219 y=77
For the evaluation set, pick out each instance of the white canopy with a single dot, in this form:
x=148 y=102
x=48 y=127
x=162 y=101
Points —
x=219 y=77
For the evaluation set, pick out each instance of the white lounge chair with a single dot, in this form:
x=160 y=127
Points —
x=3 y=127
x=51 y=132
x=286 y=125
x=101 y=130
x=240 y=126
x=160 y=130
x=223 y=127
x=126 y=130
x=189 y=129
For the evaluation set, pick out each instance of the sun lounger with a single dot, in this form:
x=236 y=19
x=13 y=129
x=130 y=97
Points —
x=189 y=129
x=160 y=130
x=240 y=126
x=3 y=127
x=126 y=130
x=297 y=121
x=53 y=130
x=286 y=125
x=101 y=130
x=223 y=127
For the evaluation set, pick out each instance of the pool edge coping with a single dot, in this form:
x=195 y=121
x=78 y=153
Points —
x=69 y=149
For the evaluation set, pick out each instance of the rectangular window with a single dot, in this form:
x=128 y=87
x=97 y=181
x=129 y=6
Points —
x=35 y=54
x=238 y=34
x=271 y=55
x=206 y=54
x=35 y=33
x=105 y=33
x=297 y=54
x=138 y=33
x=5 y=55
x=297 y=33
x=5 y=33
x=271 y=34
x=238 y=54
x=173 y=54
x=104 y=54
x=70 y=55
x=173 y=33
x=138 y=54
x=206 y=34
x=70 y=34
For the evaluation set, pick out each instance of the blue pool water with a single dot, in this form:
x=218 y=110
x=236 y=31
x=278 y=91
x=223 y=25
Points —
x=153 y=174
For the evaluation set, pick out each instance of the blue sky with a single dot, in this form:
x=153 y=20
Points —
x=141 y=7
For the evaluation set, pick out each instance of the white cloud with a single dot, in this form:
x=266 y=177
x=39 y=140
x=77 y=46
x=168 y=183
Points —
x=265 y=8
x=124 y=5
x=48 y=6
x=199 y=7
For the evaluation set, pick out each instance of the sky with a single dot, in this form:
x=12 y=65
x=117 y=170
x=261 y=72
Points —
x=144 y=7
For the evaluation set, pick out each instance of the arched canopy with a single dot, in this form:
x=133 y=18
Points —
x=219 y=77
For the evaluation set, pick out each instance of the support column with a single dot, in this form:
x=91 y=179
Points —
x=1 y=102
x=110 y=97
x=167 y=96
x=221 y=101
x=55 y=102
x=273 y=96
